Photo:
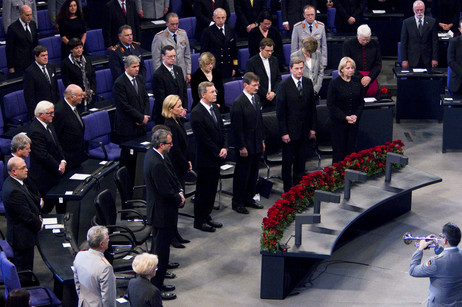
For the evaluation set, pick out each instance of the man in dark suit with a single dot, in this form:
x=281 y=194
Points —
x=47 y=161
x=164 y=196
x=132 y=107
x=247 y=130
x=247 y=12
x=349 y=15
x=21 y=38
x=22 y=215
x=203 y=10
x=40 y=81
x=266 y=67
x=296 y=113
x=211 y=151
x=119 y=13
x=125 y=47
x=219 y=40
x=292 y=12
x=455 y=63
x=69 y=126
x=419 y=39
x=168 y=79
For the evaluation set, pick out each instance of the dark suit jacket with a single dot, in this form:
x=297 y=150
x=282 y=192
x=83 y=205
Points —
x=223 y=48
x=19 y=46
x=162 y=188
x=199 y=77
x=210 y=137
x=142 y=293
x=247 y=14
x=115 y=18
x=414 y=46
x=292 y=10
x=255 y=65
x=163 y=85
x=45 y=157
x=37 y=88
x=455 y=62
x=247 y=124
x=346 y=9
x=203 y=11
x=130 y=106
x=70 y=134
x=71 y=73
x=296 y=114
x=22 y=215
x=179 y=152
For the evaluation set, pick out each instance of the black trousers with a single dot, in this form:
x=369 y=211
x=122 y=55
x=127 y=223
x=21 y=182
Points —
x=161 y=240
x=344 y=137
x=245 y=179
x=293 y=162
x=206 y=189
x=24 y=259
x=126 y=159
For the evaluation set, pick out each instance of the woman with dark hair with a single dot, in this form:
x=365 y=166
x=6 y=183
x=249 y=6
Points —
x=18 y=298
x=345 y=101
x=77 y=69
x=172 y=110
x=265 y=30
x=70 y=25
x=208 y=72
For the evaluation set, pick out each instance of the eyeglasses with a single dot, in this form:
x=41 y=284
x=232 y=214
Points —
x=169 y=143
x=49 y=113
x=442 y=236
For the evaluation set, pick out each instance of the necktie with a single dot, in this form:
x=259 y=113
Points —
x=46 y=74
x=222 y=31
x=135 y=85
x=213 y=115
x=213 y=5
x=420 y=26
x=174 y=38
x=28 y=31
x=78 y=116
x=172 y=73
x=251 y=3
x=311 y=28
x=299 y=86
x=52 y=136
x=123 y=7
x=253 y=102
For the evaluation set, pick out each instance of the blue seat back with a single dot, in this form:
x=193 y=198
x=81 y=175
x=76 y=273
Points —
x=286 y=51
x=331 y=19
x=194 y=62
x=3 y=63
x=104 y=83
x=44 y=25
x=97 y=128
x=242 y=57
x=232 y=90
x=176 y=7
x=149 y=72
x=14 y=107
x=399 y=52
x=334 y=74
x=95 y=42
x=9 y=274
x=2 y=30
x=53 y=45
x=189 y=25
x=232 y=19
x=61 y=87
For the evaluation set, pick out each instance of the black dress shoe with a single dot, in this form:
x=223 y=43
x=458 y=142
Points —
x=176 y=244
x=205 y=227
x=184 y=241
x=253 y=204
x=241 y=210
x=169 y=275
x=167 y=296
x=215 y=224
x=167 y=288
x=172 y=265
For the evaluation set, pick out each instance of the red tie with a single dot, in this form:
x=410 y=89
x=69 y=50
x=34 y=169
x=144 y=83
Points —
x=213 y=5
x=123 y=7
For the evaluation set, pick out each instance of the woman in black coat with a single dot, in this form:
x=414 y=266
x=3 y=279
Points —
x=70 y=25
x=77 y=69
x=208 y=72
x=172 y=110
x=141 y=292
x=345 y=101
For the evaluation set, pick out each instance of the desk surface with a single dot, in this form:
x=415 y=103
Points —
x=448 y=100
x=408 y=73
x=90 y=166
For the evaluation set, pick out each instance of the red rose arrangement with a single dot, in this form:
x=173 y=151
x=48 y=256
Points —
x=300 y=197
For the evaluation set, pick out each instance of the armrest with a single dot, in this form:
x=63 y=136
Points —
x=134 y=212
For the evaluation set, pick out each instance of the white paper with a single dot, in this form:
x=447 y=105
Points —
x=379 y=11
x=78 y=176
x=66 y=245
x=225 y=167
x=93 y=109
x=56 y=231
x=448 y=98
x=103 y=162
x=69 y=193
x=404 y=71
x=369 y=99
x=55 y=226
x=150 y=94
x=158 y=22
x=50 y=221
x=128 y=257
x=145 y=143
x=419 y=70
x=121 y=300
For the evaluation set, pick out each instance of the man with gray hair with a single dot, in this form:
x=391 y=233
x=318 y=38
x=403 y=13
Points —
x=164 y=196
x=367 y=56
x=69 y=126
x=93 y=275
x=47 y=157
x=132 y=108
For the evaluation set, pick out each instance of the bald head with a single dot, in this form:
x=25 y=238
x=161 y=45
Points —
x=25 y=13
x=73 y=94
x=17 y=168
